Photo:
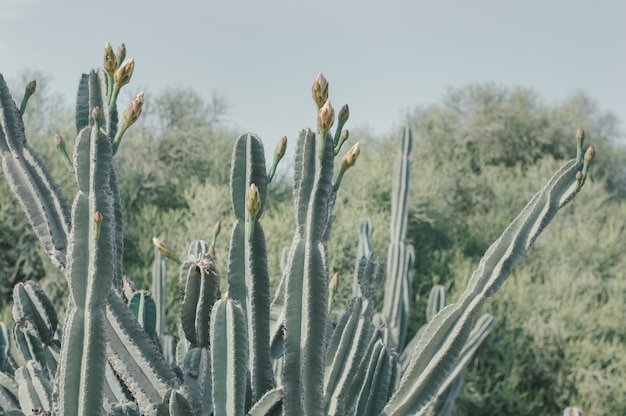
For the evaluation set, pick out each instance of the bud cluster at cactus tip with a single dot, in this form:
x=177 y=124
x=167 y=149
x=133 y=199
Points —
x=320 y=90
x=165 y=249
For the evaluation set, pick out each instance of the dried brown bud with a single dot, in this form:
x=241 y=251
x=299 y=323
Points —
x=110 y=62
x=124 y=72
x=579 y=176
x=325 y=117
x=320 y=90
x=253 y=201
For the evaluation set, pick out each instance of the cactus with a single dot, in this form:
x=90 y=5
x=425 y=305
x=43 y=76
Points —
x=240 y=354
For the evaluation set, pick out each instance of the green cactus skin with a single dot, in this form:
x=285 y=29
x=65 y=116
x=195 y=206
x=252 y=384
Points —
x=369 y=275
x=346 y=351
x=35 y=389
x=8 y=392
x=30 y=181
x=364 y=248
x=175 y=403
x=124 y=409
x=5 y=350
x=30 y=303
x=135 y=358
x=306 y=289
x=199 y=285
x=271 y=404
x=229 y=351
x=450 y=388
x=197 y=377
x=144 y=308
x=248 y=275
x=437 y=300
x=445 y=335
x=159 y=290
x=399 y=258
x=114 y=392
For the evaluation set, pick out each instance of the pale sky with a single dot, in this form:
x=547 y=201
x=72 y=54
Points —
x=383 y=58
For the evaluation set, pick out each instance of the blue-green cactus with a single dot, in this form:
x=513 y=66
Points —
x=239 y=354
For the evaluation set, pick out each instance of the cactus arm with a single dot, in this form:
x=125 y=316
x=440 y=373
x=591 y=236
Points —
x=228 y=357
x=8 y=392
x=364 y=248
x=35 y=389
x=345 y=352
x=144 y=308
x=91 y=93
x=159 y=290
x=197 y=377
x=175 y=403
x=399 y=258
x=30 y=303
x=31 y=182
x=270 y=404
x=306 y=289
x=444 y=337
x=378 y=379
x=248 y=275
x=446 y=393
x=199 y=283
x=135 y=357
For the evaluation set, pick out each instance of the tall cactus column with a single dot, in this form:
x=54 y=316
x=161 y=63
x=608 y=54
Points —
x=248 y=276
x=306 y=289
x=89 y=274
x=399 y=258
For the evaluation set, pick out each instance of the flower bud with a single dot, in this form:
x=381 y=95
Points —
x=333 y=285
x=96 y=114
x=349 y=159
x=58 y=141
x=165 y=249
x=320 y=90
x=124 y=72
x=31 y=87
x=253 y=201
x=325 y=117
x=217 y=228
x=110 y=62
x=590 y=154
x=344 y=114
x=133 y=110
x=97 y=222
x=281 y=148
x=579 y=176
x=580 y=134
x=121 y=54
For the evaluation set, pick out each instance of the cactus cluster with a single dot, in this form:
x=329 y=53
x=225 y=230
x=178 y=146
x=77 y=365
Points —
x=245 y=351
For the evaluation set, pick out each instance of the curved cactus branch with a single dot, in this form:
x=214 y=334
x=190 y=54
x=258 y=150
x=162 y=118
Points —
x=444 y=337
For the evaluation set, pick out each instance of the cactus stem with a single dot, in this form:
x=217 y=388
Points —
x=60 y=144
x=30 y=89
x=342 y=139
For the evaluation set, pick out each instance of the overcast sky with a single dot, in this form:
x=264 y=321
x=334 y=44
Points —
x=381 y=57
